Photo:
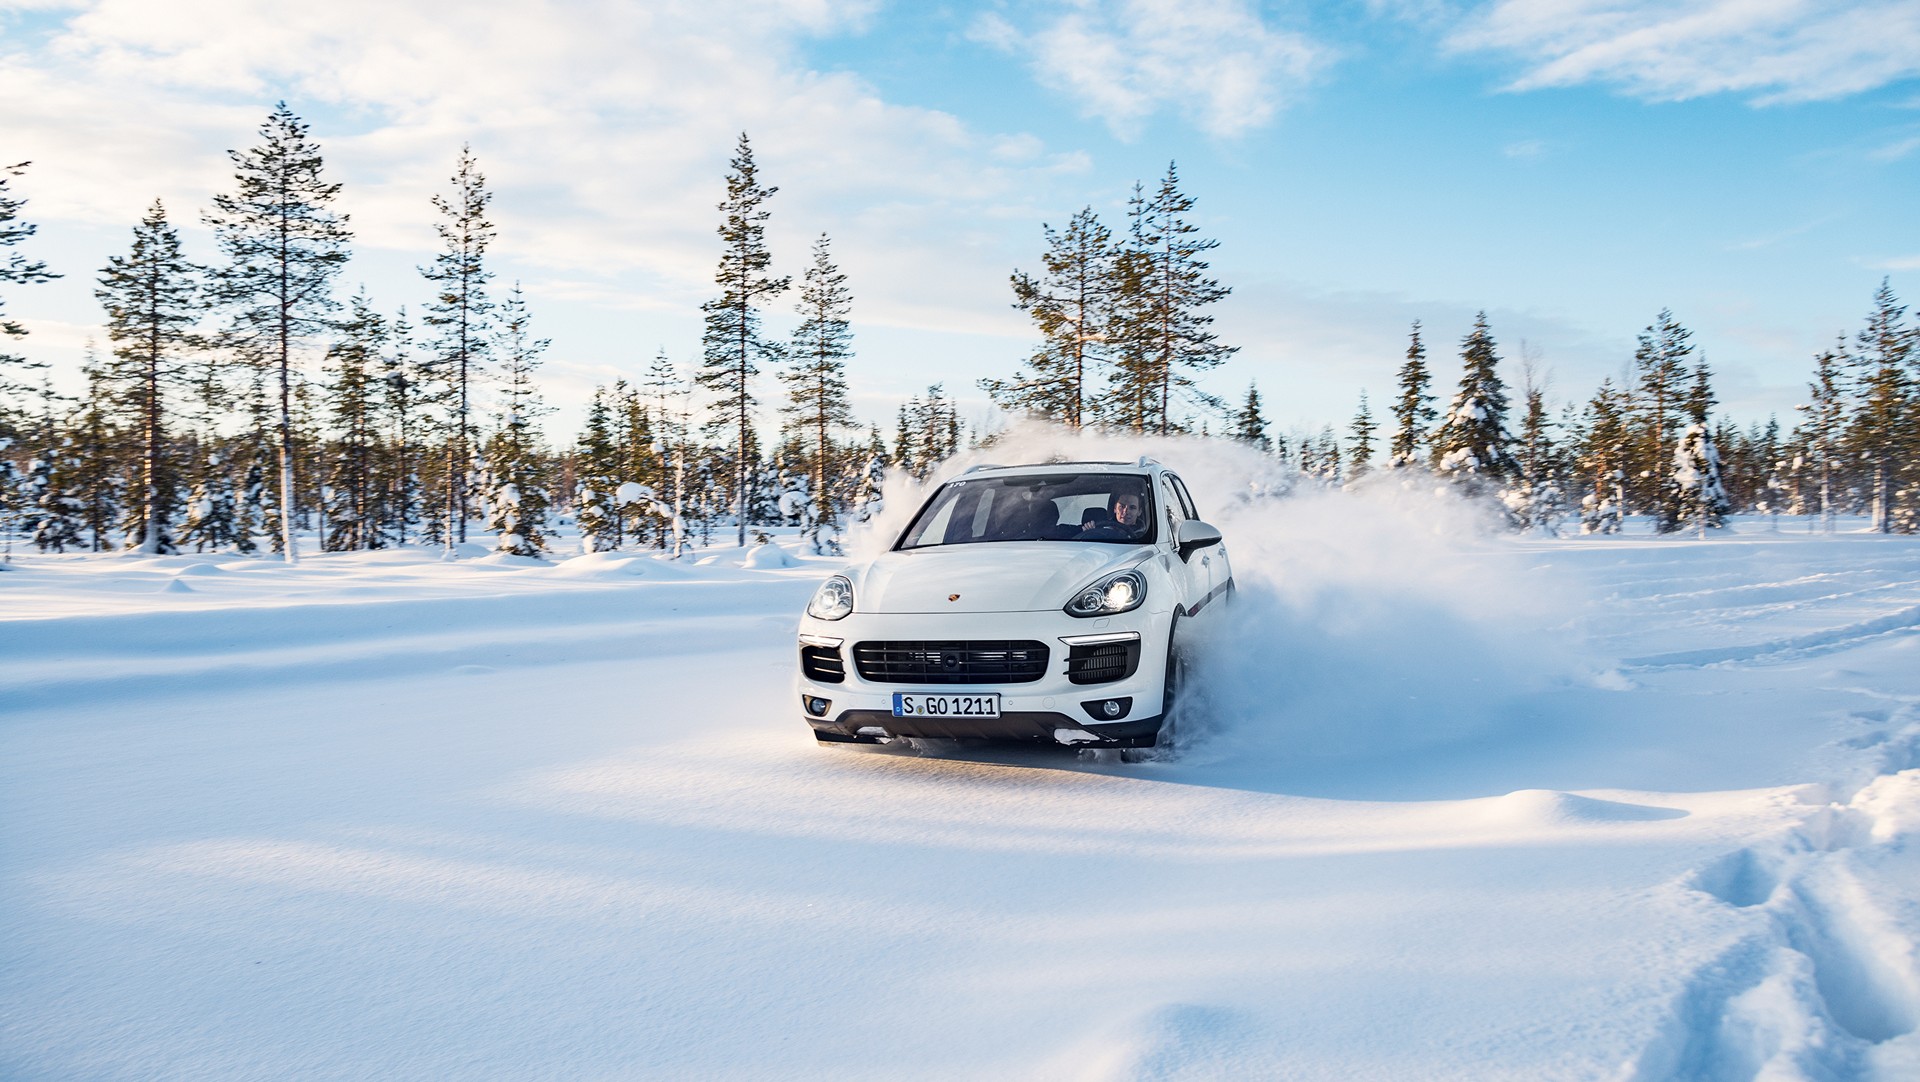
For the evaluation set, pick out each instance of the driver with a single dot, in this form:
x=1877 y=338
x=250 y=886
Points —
x=1128 y=518
x=1129 y=514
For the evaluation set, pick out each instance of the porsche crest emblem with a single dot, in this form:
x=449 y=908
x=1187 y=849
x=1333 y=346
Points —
x=953 y=597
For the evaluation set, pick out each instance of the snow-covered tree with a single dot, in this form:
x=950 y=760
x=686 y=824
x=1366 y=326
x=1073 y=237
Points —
x=518 y=494
x=1702 y=499
x=1473 y=446
x=1413 y=412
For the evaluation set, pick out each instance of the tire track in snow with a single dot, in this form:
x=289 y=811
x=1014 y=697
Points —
x=1827 y=641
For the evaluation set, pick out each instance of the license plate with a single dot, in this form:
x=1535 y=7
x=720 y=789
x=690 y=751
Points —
x=913 y=704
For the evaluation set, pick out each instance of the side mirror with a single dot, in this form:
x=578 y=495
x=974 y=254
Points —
x=1193 y=535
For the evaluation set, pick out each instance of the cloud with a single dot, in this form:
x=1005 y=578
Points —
x=1668 y=50
x=1525 y=148
x=1216 y=62
x=603 y=127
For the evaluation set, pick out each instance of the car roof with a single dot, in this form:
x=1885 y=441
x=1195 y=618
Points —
x=997 y=470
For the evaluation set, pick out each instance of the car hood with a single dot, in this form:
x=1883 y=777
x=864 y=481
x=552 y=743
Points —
x=1007 y=576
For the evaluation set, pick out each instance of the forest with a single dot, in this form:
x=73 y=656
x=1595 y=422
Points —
x=241 y=405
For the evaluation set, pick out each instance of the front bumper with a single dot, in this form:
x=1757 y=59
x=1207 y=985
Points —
x=1049 y=710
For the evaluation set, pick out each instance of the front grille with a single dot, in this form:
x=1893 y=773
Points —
x=823 y=664
x=977 y=661
x=1100 y=663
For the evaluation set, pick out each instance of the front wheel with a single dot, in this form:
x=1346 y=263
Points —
x=1165 y=742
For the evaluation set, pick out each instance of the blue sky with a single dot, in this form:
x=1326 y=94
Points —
x=1570 y=166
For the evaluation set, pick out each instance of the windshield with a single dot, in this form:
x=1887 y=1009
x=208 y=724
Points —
x=1113 y=508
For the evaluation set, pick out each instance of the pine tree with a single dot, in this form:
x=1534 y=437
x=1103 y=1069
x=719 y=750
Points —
x=1250 y=425
x=16 y=270
x=460 y=314
x=284 y=244
x=520 y=498
x=734 y=348
x=152 y=300
x=1413 y=412
x=1363 y=428
x=816 y=382
x=1473 y=446
x=1161 y=333
x=1881 y=431
x=1071 y=304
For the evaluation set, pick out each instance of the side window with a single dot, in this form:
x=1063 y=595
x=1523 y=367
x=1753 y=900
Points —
x=1170 y=499
x=1186 y=501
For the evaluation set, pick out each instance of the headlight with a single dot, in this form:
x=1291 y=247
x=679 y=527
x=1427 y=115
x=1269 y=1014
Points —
x=833 y=600
x=1122 y=591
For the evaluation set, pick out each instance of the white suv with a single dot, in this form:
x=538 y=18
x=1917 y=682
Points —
x=1042 y=603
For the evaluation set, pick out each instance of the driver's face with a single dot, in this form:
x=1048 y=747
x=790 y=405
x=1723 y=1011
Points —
x=1126 y=510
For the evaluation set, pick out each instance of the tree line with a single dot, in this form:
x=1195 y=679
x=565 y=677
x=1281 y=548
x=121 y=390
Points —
x=204 y=425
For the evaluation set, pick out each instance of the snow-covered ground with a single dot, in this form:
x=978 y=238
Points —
x=1462 y=808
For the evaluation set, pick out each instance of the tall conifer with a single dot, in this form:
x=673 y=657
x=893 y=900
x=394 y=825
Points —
x=734 y=348
x=152 y=300
x=283 y=244
x=459 y=315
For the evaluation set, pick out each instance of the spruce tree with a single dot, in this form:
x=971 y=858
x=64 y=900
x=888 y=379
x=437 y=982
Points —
x=1363 y=428
x=1161 y=332
x=1701 y=499
x=1881 y=432
x=519 y=497
x=816 y=380
x=355 y=513
x=1473 y=446
x=1660 y=364
x=1413 y=412
x=1823 y=428
x=597 y=464
x=1071 y=304
x=459 y=315
x=152 y=300
x=733 y=346
x=16 y=270
x=283 y=244
x=1250 y=425
x=405 y=394
x=98 y=450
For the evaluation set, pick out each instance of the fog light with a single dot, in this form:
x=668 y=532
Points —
x=1108 y=709
x=815 y=705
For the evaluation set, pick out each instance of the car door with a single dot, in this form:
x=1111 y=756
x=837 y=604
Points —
x=1193 y=573
x=1213 y=572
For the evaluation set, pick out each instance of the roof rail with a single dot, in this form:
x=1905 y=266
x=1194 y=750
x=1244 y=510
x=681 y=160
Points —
x=1147 y=460
x=978 y=466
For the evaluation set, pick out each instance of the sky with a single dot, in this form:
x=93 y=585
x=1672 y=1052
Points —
x=1570 y=167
